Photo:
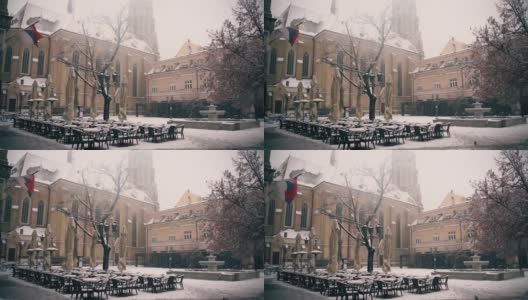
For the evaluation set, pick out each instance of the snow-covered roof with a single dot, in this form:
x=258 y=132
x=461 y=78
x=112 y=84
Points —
x=28 y=81
x=294 y=83
x=452 y=199
x=28 y=231
x=50 y=22
x=189 y=48
x=188 y=198
x=315 y=174
x=315 y=22
x=52 y=171
x=453 y=46
x=292 y=234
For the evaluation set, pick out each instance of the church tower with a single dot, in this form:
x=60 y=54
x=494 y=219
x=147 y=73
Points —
x=141 y=173
x=141 y=22
x=405 y=175
x=405 y=22
x=334 y=8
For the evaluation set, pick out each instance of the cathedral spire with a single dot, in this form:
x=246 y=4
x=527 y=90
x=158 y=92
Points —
x=141 y=22
x=405 y=22
x=334 y=8
x=333 y=159
x=71 y=7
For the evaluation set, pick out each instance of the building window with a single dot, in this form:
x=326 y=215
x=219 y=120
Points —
x=98 y=65
x=398 y=232
x=288 y=221
x=304 y=216
x=25 y=61
x=453 y=83
x=291 y=63
x=452 y=235
x=172 y=237
x=188 y=84
x=340 y=60
x=187 y=235
x=172 y=87
x=154 y=239
x=437 y=85
x=418 y=241
x=273 y=61
x=436 y=237
x=7 y=210
x=98 y=213
x=205 y=235
x=134 y=231
x=306 y=64
x=339 y=211
x=400 y=80
x=271 y=212
x=25 y=211
x=75 y=58
x=134 y=81
x=40 y=213
x=40 y=64
x=117 y=220
x=8 y=58
x=118 y=68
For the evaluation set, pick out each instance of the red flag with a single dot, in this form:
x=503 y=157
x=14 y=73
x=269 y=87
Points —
x=32 y=31
x=291 y=189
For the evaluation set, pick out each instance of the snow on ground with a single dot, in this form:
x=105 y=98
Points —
x=458 y=289
x=200 y=289
x=461 y=137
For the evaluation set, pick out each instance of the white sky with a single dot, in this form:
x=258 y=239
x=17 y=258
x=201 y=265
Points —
x=175 y=20
x=176 y=171
x=439 y=19
x=439 y=171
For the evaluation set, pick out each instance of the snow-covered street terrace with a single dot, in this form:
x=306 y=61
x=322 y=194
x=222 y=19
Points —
x=461 y=138
x=458 y=289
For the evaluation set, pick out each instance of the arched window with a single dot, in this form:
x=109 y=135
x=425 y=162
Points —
x=98 y=65
x=40 y=64
x=25 y=211
x=340 y=60
x=7 y=210
x=339 y=211
x=273 y=61
x=304 y=216
x=134 y=231
x=98 y=213
x=8 y=57
x=288 y=221
x=400 y=80
x=75 y=58
x=118 y=69
x=118 y=220
x=75 y=208
x=25 y=61
x=271 y=212
x=40 y=213
x=291 y=63
x=306 y=64
x=134 y=81
x=398 y=232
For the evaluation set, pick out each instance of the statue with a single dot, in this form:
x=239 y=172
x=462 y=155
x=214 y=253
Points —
x=334 y=244
x=386 y=94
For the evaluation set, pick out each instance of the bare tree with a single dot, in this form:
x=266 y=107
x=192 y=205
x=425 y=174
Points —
x=498 y=207
x=360 y=217
x=88 y=218
x=88 y=67
x=357 y=60
x=500 y=56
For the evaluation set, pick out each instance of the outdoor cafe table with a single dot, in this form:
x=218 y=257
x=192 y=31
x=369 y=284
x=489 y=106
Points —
x=357 y=130
x=91 y=279
x=123 y=278
x=92 y=130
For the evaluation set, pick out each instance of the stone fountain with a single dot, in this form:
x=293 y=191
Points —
x=477 y=110
x=476 y=263
x=211 y=113
x=211 y=263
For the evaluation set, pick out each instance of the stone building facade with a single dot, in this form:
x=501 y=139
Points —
x=320 y=189
x=24 y=62
x=181 y=78
x=56 y=185
x=298 y=72
x=177 y=230
x=443 y=229
x=444 y=77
